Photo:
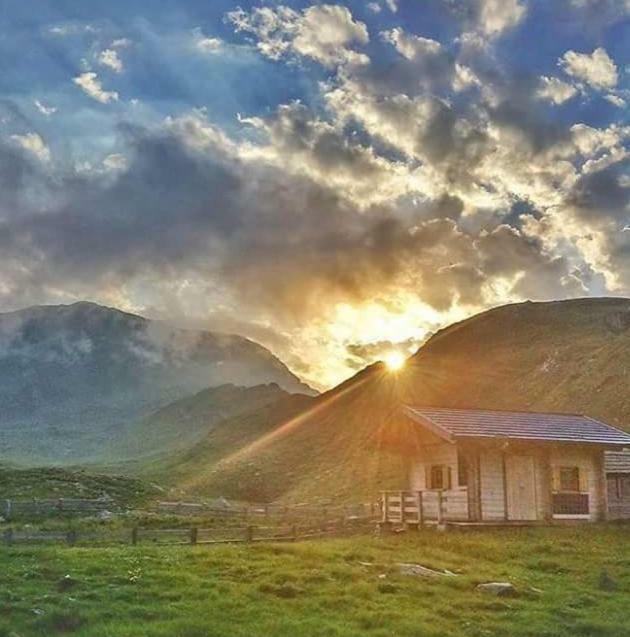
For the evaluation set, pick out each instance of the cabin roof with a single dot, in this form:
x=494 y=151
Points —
x=617 y=461
x=454 y=424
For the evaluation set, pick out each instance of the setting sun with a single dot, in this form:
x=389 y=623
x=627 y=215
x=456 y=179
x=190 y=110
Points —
x=394 y=361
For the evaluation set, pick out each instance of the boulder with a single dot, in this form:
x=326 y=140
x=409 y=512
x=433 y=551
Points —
x=422 y=571
x=500 y=589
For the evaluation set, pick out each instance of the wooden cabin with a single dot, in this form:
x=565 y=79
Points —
x=617 y=465
x=479 y=466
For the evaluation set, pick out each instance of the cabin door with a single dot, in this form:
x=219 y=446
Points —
x=520 y=484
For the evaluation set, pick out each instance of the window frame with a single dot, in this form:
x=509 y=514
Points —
x=442 y=472
x=574 y=479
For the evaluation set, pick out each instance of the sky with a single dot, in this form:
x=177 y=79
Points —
x=333 y=180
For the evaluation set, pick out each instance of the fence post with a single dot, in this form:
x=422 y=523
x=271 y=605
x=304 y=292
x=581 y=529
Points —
x=134 y=535
x=8 y=537
x=249 y=533
x=440 y=512
x=193 y=535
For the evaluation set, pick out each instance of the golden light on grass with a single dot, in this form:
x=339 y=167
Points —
x=394 y=361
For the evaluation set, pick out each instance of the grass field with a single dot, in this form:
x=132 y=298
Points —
x=570 y=581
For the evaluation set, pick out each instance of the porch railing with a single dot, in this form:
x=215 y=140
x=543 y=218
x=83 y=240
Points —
x=433 y=506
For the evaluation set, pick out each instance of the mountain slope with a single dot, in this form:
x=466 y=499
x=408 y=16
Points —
x=70 y=375
x=571 y=356
x=180 y=424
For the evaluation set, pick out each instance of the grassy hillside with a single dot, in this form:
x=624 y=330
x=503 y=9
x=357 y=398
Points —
x=569 y=581
x=188 y=467
x=44 y=483
x=571 y=356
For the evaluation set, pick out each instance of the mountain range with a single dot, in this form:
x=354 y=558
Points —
x=73 y=377
x=274 y=440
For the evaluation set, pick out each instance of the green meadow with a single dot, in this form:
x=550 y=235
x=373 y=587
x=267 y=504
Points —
x=569 y=581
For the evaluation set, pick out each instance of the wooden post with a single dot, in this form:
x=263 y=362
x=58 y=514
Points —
x=134 y=535
x=193 y=535
x=8 y=537
x=440 y=512
x=506 y=515
x=602 y=486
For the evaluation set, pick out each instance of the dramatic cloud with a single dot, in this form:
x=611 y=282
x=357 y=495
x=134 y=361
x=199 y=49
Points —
x=331 y=187
x=91 y=85
x=596 y=69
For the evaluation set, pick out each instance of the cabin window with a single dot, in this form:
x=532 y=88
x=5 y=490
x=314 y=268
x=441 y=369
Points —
x=462 y=470
x=570 y=479
x=436 y=477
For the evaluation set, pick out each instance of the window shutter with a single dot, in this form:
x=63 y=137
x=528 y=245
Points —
x=555 y=478
x=583 y=480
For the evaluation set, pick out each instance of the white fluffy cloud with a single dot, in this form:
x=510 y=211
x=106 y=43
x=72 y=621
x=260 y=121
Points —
x=323 y=33
x=412 y=46
x=110 y=59
x=497 y=16
x=34 y=144
x=91 y=85
x=597 y=69
x=555 y=90
x=44 y=109
x=205 y=44
x=616 y=100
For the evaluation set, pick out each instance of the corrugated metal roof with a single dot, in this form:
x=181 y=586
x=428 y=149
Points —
x=617 y=462
x=479 y=423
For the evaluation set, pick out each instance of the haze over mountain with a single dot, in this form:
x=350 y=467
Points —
x=565 y=356
x=72 y=375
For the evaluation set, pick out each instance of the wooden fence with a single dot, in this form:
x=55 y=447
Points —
x=181 y=536
x=10 y=509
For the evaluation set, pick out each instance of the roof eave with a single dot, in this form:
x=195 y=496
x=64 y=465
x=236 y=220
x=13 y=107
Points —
x=428 y=424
